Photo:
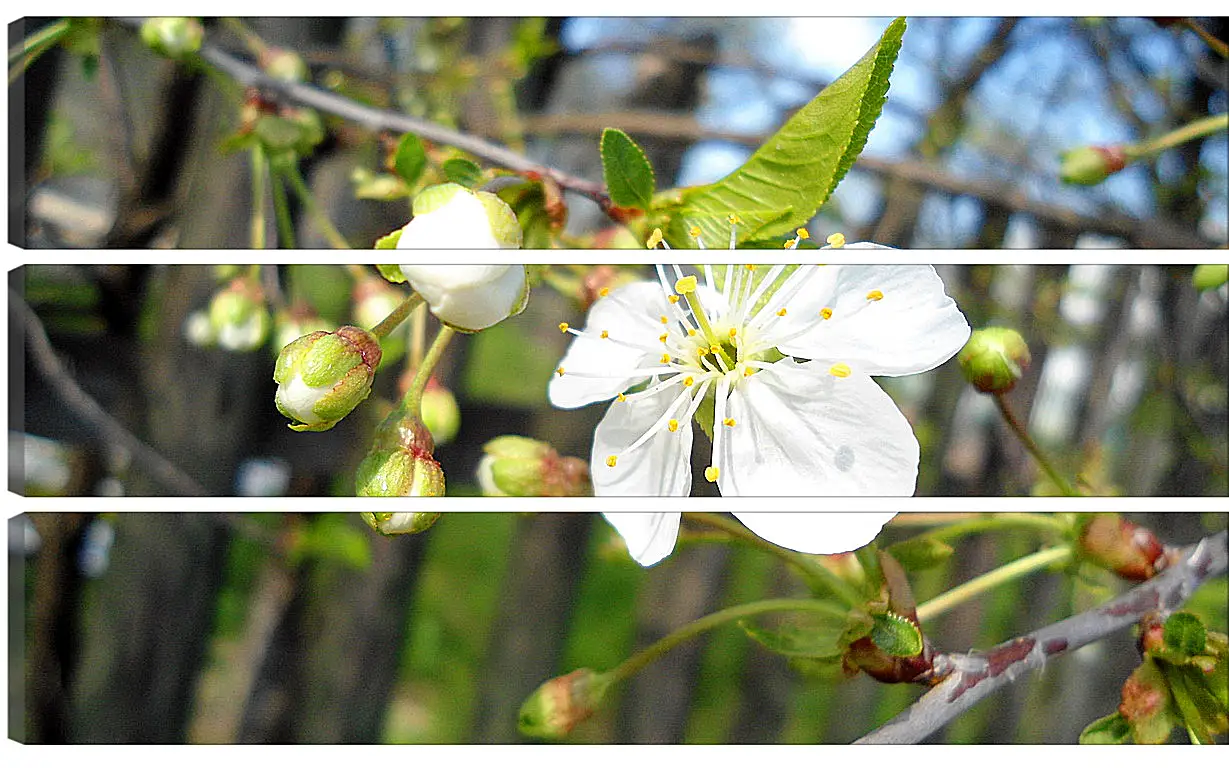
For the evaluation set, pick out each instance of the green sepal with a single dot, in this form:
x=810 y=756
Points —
x=1111 y=729
x=629 y=176
x=812 y=639
x=920 y=553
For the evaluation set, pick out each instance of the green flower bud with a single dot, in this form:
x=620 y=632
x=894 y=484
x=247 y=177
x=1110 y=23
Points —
x=1091 y=165
x=239 y=317
x=1209 y=276
x=175 y=37
x=198 y=330
x=519 y=466
x=451 y=216
x=562 y=703
x=440 y=412
x=284 y=65
x=994 y=359
x=396 y=523
x=322 y=376
x=400 y=462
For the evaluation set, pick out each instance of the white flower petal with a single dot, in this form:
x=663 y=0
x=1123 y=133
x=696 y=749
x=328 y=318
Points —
x=660 y=467
x=460 y=223
x=469 y=297
x=816 y=533
x=914 y=327
x=649 y=536
x=631 y=315
x=799 y=431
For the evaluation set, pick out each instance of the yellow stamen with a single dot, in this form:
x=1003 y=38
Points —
x=781 y=312
x=840 y=370
x=662 y=338
x=687 y=382
x=686 y=284
x=790 y=243
x=874 y=295
x=622 y=398
x=611 y=460
x=733 y=219
x=711 y=474
x=836 y=240
x=694 y=231
x=563 y=327
x=559 y=370
x=665 y=320
x=665 y=358
x=673 y=425
x=733 y=332
x=605 y=334
x=825 y=313
x=654 y=239
x=604 y=292
x=691 y=331
x=673 y=298
x=802 y=233
x=729 y=422
x=748 y=371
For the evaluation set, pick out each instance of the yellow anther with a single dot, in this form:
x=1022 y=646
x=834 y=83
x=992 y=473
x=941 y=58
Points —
x=781 y=312
x=715 y=349
x=604 y=292
x=694 y=231
x=826 y=313
x=654 y=239
x=563 y=327
x=729 y=422
x=685 y=284
x=836 y=240
x=840 y=370
x=733 y=219
x=559 y=370
x=748 y=371
x=802 y=233
x=622 y=398
x=691 y=331
x=733 y=332
x=687 y=382
x=750 y=267
x=711 y=474
x=665 y=358
x=612 y=460
x=662 y=338
x=665 y=320
x=673 y=298
x=790 y=243
x=673 y=425
x=605 y=334
x=874 y=295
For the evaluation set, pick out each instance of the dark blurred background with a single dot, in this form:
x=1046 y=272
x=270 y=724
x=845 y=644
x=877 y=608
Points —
x=126 y=153
x=1126 y=389
x=311 y=628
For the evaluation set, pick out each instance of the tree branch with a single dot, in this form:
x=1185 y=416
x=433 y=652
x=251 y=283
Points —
x=378 y=120
x=969 y=678
x=80 y=402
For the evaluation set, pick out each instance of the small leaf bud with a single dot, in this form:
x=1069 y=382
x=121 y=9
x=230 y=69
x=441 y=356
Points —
x=239 y=317
x=520 y=466
x=560 y=704
x=323 y=376
x=396 y=523
x=994 y=359
x=400 y=461
x=1091 y=165
x=175 y=37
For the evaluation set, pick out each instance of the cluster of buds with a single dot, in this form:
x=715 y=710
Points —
x=322 y=376
x=994 y=359
x=401 y=461
x=520 y=466
x=237 y=319
x=1129 y=550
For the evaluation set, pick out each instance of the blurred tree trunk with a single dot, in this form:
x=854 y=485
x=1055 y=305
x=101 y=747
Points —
x=145 y=629
x=30 y=100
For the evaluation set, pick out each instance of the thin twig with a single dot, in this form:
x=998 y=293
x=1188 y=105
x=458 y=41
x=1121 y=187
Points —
x=969 y=678
x=80 y=402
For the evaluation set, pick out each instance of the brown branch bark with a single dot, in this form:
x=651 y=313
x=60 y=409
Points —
x=969 y=678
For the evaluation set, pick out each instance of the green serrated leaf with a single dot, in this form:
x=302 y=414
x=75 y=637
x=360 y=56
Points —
x=896 y=635
x=411 y=158
x=1111 y=729
x=629 y=176
x=786 y=180
x=1185 y=633
x=920 y=553
x=811 y=639
x=461 y=171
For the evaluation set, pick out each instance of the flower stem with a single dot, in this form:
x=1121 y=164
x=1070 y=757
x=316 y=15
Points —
x=23 y=55
x=1202 y=127
x=281 y=209
x=988 y=521
x=1212 y=41
x=993 y=579
x=394 y=319
x=413 y=395
x=258 y=197
x=291 y=170
x=640 y=660
x=1063 y=485
x=805 y=563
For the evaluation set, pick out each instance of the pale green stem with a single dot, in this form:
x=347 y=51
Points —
x=642 y=659
x=992 y=580
x=395 y=318
x=1205 y=126
x=995 y=521
x=45 y=37
x=291 y=171
x=413 y=395
x=258 y=197
x=806 y=563
x=418 y=336
x=1035 y=450
x=281 y=210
